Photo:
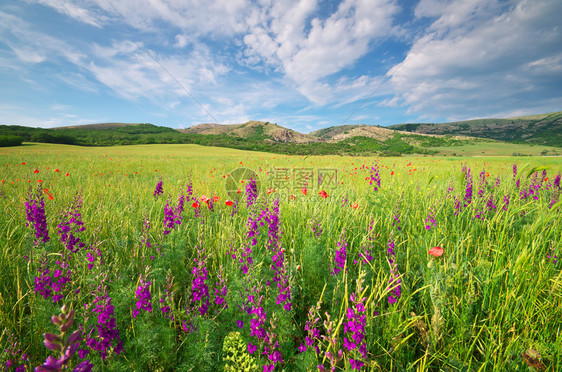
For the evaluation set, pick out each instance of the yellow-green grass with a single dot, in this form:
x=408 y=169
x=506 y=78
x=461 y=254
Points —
x=494 y=294
x=497 y=149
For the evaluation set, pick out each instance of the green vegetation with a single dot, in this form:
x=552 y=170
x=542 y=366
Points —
x=543 y=129
x=10 y=140
x=490 y=302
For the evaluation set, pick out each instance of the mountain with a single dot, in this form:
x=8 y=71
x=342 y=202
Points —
x=253 y=130
x=545 y=129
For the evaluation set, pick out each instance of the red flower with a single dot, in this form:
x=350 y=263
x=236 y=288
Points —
x=215 y=198
x=23 y=163
x=304 y=191
x=204 y=199
x=51 y=196
x=36 y=170
x=323 y=194
x=39 y=181
x=56 y=170
x=436 y=251
x=68 y=174
x=354 y=205
x=228 y=202
x=269 y=191
x=195 y=205
x=392 y=173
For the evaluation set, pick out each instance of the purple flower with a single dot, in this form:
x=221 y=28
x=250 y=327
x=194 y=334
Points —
x=240 y=324
x=35 y=213
x=341 y=254
x=251 y=192
x=159 y=189
x=468 y=189
x=71 y=223
x=395 y=280
x=104 y=335
x=356 y=364
x=143 y=295
x=251 y=348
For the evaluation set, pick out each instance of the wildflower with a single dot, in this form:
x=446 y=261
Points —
x=436 y=251
x=304 y=191
x=35 y=212
x=143 y=295
x=70 y=225
x=104 y=335
x=195 y=205
x=354 y=205
x=323 y=194
x=251 y=348
x=341 y=254
x=159 y=189
x=394 y=281
x=67 y=348
x=228 y=203
x=251 y=192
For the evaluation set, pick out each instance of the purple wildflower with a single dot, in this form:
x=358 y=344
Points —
x=143 y=295
x=159 y=189
x=394 y=282
x=104 y=335
x=70 y=224
x=341 y=254
x=251 y=192
x=35 y=212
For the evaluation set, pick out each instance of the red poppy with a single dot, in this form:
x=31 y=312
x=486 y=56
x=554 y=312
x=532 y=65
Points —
x=216 y=198
x=36 y=170
x=195 y=205
x=304 y=191
x=39 y=181
x=323 y=194
x=436 y=251
x=68 y=174
x=292 y=197
x=46 y=191
x=392 y=173
x=23 y=163
x=269 y=191
x=545 y=179
x=204 y=199
x=228 y=202
x=51 y=196
x=56 y=170
x=238 y=192
x=354 y=205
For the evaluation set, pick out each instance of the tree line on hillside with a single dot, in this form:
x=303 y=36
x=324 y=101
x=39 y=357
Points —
x=151 y=134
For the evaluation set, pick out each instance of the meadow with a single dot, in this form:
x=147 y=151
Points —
x=166 y=258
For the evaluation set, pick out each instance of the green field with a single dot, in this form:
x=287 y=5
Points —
x=498 y=149
x=335 y=277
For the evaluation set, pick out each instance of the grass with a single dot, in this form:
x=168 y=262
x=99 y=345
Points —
x=496 y=149
x=491 y=302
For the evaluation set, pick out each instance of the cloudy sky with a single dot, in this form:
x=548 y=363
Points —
x=304 y=64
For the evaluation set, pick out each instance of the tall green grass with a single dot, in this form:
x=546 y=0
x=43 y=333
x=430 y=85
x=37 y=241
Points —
x=493 y=298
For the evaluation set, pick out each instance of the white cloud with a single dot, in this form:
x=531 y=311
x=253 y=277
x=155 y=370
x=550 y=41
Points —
x=73 y=11
x=308 y=49
x=479 y=57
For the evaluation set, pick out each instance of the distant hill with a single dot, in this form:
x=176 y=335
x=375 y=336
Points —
x=256 y=130
x=545 y=129
x=413 y=138
x=98 y=126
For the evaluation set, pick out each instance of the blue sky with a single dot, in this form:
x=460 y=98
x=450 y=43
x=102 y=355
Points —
x=304 y=64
